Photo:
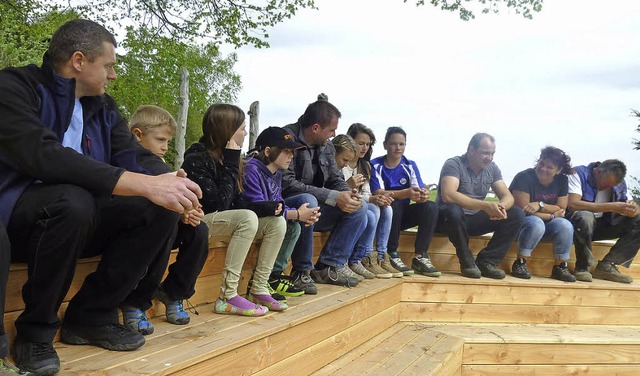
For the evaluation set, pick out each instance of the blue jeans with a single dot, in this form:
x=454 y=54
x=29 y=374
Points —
x=302 y=256
x=535 y=230
x=346 y=229
x=364 y=245
x=384 y=229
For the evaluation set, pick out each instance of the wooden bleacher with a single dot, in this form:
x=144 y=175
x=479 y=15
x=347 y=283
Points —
x=410 y=326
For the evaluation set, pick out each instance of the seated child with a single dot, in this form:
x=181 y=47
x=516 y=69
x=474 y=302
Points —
x=215 y=164
x=262 y=183
x=154 y=128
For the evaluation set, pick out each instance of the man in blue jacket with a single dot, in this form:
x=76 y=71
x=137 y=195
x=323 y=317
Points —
x=67 y=159
x=602 y=208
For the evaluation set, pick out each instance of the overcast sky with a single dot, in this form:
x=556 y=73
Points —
x=568 y=78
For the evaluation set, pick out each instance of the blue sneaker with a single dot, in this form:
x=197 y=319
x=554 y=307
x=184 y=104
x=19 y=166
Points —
x=174 y=309
x=136 y=320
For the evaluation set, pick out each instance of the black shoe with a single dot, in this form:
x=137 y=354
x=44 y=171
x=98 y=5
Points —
x=470 y=272
x=37 y=357
x=608 y=270
x=302 y=279
x=519 y=269
x=8 y=369
x=490 y=271
x=582 y=274
x=334 y=276
x=112 y=336
x=424 y=266
x=561 y=272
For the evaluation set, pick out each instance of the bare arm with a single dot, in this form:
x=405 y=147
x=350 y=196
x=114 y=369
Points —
x=629 y=208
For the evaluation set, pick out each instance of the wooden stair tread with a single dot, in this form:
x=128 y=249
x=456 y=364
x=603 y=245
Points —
x=172 y=347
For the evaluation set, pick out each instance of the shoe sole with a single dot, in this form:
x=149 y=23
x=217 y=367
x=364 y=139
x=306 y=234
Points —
x=76 y=340
x=563 y=280
x=430 y=274
x=497 y=276
x=521 y=276
x=43 y=371
x=608 y=277
x=583 y=277
x=472 y=274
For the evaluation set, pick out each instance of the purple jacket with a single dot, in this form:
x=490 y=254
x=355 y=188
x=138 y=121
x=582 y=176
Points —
x=262 y=190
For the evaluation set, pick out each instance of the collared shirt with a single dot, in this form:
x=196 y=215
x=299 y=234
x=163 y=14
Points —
x=73 y=136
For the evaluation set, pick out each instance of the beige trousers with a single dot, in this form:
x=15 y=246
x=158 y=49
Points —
x=240 y=228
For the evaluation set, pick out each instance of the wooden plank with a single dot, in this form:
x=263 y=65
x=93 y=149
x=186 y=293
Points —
x=350 y=341
x=443 y=359
x=546 y=370
x=363 y=357
x=503 y=313
x=551 y=353
x=407 y=353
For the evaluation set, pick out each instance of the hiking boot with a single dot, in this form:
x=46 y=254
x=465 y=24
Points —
x=136 y=320
x=470 y=272
x=8 y=369
x=609 y=271
x=36 y=357
x=423 y=266
x=174 y=310
x=302 y=279
x=372 y=265
x=385 y=264
x=334 y=276
x=490 y=271
x=111 y=336
x=519 y=269
x=582 y=275
x=283 y=286
x=359 y=269
x=400 y=266
x=561 y=272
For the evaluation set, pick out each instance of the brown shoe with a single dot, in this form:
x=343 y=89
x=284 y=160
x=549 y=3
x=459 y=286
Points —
x=386 y=265
x=372 y=264
x=608 y=270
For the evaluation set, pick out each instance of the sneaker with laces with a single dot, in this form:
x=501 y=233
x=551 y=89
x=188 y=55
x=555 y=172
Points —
x=275 y=295
x=582 y=275
x=285 y=287
x=359 y=269
x=423 y=266
x=302 y=279
x=111 y=337
x=136 y=320
x=334 y=276
x=519 y=269
x=39 y=358
x=371 y=263
x=350 y=273
x=609 y=271
x=561 y=272
x=385 y=264
x=8 y=369
x=490 y=271
x=174 y=309
x=400 y=266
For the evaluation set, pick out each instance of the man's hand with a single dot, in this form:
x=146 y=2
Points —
x=174 y=191
x=628 y=209
x=495 y=210
x=348 y=201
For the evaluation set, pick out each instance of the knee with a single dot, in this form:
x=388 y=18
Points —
x=372 y=219
x=451 y=213
x=564 y=227
x=311 y=199
x=516 y=214
x=533 y=225
x=583 y=220
x=247 y=221
x=78 y=208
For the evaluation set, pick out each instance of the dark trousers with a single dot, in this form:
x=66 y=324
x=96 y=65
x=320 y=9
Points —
x=193 y=249
x=423 y=215
x=5 y=261
x=589 y=228
x=458 y=226
x=52 y=225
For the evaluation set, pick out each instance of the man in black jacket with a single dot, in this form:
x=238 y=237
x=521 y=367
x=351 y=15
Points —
x=67 y=159
x=313 y=177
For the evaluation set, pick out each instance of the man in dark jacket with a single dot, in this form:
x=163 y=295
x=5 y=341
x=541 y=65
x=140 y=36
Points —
x=601 y=208
x=66 y=159
x=313 y=177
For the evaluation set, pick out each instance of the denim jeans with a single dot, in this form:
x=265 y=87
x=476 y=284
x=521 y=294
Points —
x=458 y=227
x=346 y=229
x=364 y=245
x=302 y=256
x=384 y=229
x=589 y=228
x=288 y=244
x=534 y=230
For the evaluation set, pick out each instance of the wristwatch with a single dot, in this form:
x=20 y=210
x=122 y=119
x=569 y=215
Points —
x=541 y=204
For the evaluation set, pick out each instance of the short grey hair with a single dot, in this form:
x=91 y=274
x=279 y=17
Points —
x=78 y=35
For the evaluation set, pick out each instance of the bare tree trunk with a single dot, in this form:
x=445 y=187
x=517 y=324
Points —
x=183 y=111
x=254 y=114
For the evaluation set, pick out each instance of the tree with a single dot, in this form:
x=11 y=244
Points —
x=149 y=74
x=522 y=7
x=636 y=142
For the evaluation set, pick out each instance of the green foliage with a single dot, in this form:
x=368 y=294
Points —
x=636 y=142
x=25 y=29
x=150 y=74
x=466 y=7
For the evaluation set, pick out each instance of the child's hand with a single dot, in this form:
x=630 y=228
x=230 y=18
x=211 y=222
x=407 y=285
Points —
x=193 y=217
x=278 y=209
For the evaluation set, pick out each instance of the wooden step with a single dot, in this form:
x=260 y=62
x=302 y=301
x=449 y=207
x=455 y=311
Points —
x=453 y=298
x=401 y=350
x=221 y=344
x=516 y=349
